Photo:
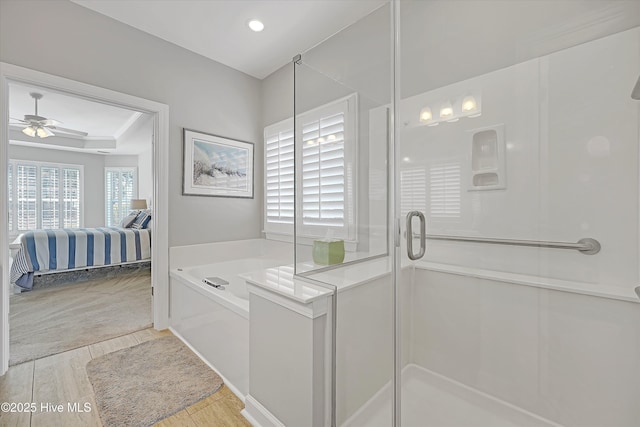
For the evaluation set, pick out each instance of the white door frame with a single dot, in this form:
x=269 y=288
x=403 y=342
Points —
x=160 y=229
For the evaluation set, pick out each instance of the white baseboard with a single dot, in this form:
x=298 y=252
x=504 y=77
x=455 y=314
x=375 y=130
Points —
x=258 y=415
x=231 y=387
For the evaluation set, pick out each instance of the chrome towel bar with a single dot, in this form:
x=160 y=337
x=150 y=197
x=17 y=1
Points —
x=587 y=246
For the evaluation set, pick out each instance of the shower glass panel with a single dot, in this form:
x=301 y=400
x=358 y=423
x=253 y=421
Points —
x=517 y=138
x=341 y=149
x=343 y=92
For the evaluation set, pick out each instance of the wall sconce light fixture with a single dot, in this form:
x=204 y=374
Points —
x=452 y=110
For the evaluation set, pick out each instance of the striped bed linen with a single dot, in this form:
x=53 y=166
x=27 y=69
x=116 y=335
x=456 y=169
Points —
x=64 y=249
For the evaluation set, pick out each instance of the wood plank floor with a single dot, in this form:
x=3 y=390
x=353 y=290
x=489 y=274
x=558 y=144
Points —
x=62 y=379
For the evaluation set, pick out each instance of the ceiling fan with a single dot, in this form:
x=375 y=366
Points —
x=35 y=125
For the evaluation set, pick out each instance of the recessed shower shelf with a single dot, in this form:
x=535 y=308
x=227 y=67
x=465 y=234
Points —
x=487 y=159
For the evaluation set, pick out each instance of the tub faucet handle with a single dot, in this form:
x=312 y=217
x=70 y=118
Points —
x=216 y=282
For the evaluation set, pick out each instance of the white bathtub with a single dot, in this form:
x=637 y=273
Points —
x=215 y=322
x=233 y=296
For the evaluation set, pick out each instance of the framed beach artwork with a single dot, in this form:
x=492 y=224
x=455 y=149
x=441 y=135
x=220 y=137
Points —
x=217 y=166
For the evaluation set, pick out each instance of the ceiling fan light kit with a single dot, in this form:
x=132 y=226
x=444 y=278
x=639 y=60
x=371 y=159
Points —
x=41 y=127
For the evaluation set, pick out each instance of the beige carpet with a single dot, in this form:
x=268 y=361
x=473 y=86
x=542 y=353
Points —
x=141 y=385
x=49 y=321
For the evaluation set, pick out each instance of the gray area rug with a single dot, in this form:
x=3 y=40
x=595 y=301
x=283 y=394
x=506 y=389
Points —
x=57 y=319
x=141 y=385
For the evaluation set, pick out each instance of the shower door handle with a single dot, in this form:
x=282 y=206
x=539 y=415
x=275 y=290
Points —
x=423 y=235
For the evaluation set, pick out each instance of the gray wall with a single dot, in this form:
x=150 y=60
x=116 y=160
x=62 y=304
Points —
x=145 y=175
x=277 y=96
x=202 y=95
x=139 y=139
x=93 y=176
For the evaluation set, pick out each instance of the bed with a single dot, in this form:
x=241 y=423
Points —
x=47 y=251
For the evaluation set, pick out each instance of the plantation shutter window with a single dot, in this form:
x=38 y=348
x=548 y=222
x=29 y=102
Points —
x=323 y=170
x=279 y=180
x=10 y=181
x=413 y=190
x=44 y=196
x=27 y=193
x=71 y=198
x=327 y=144
x=444 y=181
x=50 y=197
x=120 y=188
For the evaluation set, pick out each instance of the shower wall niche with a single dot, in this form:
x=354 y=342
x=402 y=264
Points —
x=487 y=159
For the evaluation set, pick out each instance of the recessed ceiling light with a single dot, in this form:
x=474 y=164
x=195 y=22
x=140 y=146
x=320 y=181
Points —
x=256 y=25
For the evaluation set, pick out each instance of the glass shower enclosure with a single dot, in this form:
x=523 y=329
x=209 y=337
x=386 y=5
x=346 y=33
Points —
x=467 y=182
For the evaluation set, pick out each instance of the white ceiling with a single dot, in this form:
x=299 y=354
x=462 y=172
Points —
x=107 y=126
x=218 y=29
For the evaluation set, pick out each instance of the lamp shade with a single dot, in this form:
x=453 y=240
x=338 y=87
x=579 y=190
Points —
x=43 y=132
x=138 y=204
x=30 y=131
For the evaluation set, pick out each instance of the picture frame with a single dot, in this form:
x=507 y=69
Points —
x=216 y=166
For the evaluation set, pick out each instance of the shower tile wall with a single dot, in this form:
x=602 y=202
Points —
x=571 y=131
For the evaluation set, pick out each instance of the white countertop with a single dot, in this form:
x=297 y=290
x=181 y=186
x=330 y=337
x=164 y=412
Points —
x=280 y=280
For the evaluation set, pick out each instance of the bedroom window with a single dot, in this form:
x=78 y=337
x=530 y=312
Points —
x=120 y=187
x=44 y=196
x=327 y=138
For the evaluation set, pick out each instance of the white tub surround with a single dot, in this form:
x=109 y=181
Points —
x=289 y=336
x=215 y=322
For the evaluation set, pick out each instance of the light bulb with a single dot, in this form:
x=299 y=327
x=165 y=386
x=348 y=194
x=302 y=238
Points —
x=425 y=115
x=331 y=137
x=29 y=131
x=256 y=25
x=320 y=140
x=469 y=104
x=43 y=132
x=446 y=111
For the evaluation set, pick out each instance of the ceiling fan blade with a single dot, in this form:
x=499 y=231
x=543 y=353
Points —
x=58 y=129
x=50 y=122
x=19 y=120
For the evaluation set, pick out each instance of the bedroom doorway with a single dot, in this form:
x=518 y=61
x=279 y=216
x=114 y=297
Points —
x=88 y=182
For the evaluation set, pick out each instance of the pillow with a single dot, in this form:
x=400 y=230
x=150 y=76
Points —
x=142 y=220
x=129 y=219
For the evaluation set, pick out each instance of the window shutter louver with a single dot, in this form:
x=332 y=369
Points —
x=50 y=197
x=326 y=139
x=71 y=198
x=445 y=190
x=27 y=193
x=413 y=190
x=10 y=180
x=323 y=172
x=280 y=177
x=120 y=189
x=44 y=196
